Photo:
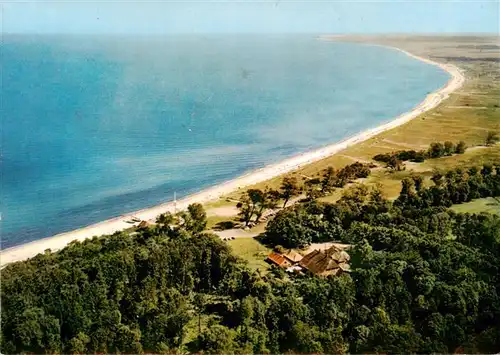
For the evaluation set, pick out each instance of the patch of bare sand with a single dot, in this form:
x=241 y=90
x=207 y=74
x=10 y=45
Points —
x=225 y=211
x=236 y=233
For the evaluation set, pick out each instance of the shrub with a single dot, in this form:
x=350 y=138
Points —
x=436 y=150
x=492 y=138
x=384 y=158
x=449 y=148
x=460 y=148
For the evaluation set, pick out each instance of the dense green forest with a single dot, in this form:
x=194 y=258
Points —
x=424 y=279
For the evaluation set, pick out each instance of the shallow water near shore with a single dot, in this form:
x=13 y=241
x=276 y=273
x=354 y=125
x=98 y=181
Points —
x=94 y=127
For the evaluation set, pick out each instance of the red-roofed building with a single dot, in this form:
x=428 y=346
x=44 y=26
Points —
x=278 y=259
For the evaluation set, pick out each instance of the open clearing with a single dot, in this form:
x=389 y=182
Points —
x=489 y=204
x=251 y=251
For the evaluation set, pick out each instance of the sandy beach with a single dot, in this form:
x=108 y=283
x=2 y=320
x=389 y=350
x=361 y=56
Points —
x=110 y=226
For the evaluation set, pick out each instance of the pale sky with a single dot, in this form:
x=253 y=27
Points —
x=252 y=16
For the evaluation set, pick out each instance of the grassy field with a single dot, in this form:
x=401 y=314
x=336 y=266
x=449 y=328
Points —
x=467 y=115
x=213 y=221
x=490 y=205
x=251 y=251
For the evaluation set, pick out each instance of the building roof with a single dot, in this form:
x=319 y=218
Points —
x=324 y=263
x=326 y=245
x=319 y=263
x=293 y=256
x=278 y=259
x=345 y=267
x=338 y=255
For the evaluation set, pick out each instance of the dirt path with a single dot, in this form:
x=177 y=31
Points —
x=356 y=159
x=476 y=107
x=402 y=144
x=236 y=233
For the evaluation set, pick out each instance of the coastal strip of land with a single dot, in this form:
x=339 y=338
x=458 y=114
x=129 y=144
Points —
x=110 y=226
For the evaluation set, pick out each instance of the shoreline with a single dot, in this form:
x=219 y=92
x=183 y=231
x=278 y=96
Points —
x=110 y=226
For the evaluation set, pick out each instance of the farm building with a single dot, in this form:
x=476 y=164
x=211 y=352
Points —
x=292 y=256
x=278 y=259
x=325 y=263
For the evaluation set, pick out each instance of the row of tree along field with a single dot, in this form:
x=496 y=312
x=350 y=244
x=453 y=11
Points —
x=424 y=280
x=254 y=202
x=395 y=160
x=436 y=150
x=298 y=227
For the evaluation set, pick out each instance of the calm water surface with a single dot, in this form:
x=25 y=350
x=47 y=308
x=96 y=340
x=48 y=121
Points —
x=96 y=127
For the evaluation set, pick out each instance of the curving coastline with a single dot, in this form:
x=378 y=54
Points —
x=110 y=226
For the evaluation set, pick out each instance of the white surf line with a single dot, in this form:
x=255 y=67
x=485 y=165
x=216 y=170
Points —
x=28 y=250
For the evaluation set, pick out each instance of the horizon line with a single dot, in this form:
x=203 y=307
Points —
x=320 y=33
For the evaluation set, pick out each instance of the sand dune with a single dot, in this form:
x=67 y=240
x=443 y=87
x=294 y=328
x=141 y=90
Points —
x=57 y=242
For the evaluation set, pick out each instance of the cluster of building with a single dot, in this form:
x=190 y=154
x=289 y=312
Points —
x=333 y=260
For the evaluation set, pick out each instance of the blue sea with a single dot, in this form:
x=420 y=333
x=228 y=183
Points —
x=94 y=127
